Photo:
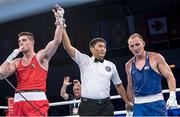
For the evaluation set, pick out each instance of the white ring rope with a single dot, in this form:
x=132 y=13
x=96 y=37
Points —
x=112 y=97
x=77 y=101
x=3 y=107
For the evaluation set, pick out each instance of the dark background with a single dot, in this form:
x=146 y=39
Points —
x=114 y=20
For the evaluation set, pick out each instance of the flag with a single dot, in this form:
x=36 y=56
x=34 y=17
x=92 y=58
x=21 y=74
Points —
x=157 y=26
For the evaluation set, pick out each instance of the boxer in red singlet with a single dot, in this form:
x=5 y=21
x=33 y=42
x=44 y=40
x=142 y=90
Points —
x=31 y=71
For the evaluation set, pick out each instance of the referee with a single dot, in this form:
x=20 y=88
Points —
x=96 y=75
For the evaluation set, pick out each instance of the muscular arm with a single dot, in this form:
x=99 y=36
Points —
x=166 y=72
x=52 y=46
x=9 y=66
x=130 y=91
x=6 y=69
x=45 y=55
x=67 y=44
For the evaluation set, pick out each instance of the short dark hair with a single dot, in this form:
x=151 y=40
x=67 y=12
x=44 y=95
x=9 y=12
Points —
x=26 y=34
x=93 y=42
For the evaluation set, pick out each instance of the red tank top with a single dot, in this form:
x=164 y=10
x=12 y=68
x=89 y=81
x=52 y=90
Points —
x=32 y=76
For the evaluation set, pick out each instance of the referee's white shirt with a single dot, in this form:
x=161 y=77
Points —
x=95 y=77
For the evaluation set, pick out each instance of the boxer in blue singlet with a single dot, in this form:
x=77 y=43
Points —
x=144 y=73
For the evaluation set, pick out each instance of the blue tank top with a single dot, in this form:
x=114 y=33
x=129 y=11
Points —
x=145 y=81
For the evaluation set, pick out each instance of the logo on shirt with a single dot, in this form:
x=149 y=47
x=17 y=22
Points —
x=32 y=65
x=146 y=67
x=108 y=69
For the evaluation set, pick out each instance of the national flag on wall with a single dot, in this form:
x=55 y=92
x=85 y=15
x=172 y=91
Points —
x=157 y=26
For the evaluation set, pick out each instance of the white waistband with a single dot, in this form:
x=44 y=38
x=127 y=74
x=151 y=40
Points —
x=150 y=98
x=31 y=96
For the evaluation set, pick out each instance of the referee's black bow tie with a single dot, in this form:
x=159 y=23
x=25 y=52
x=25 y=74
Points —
x=98 y=60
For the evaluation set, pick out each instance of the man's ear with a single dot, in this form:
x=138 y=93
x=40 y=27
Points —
x=91 y=49
x=33 y=42
x=143 y=43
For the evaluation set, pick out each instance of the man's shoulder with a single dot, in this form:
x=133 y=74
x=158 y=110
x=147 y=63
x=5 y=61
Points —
x=17 y=60
x=108 y=62
x=129 y=61
x=155 y=55
x=81 y=53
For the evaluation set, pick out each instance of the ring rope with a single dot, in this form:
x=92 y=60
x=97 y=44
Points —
x=78 y=101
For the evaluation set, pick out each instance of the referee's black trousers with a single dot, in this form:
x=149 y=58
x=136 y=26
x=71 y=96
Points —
x=93 y=107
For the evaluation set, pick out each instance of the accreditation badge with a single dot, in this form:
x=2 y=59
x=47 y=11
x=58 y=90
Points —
x=75 y=111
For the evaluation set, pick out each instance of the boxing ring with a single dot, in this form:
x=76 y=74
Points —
x=116 y=113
